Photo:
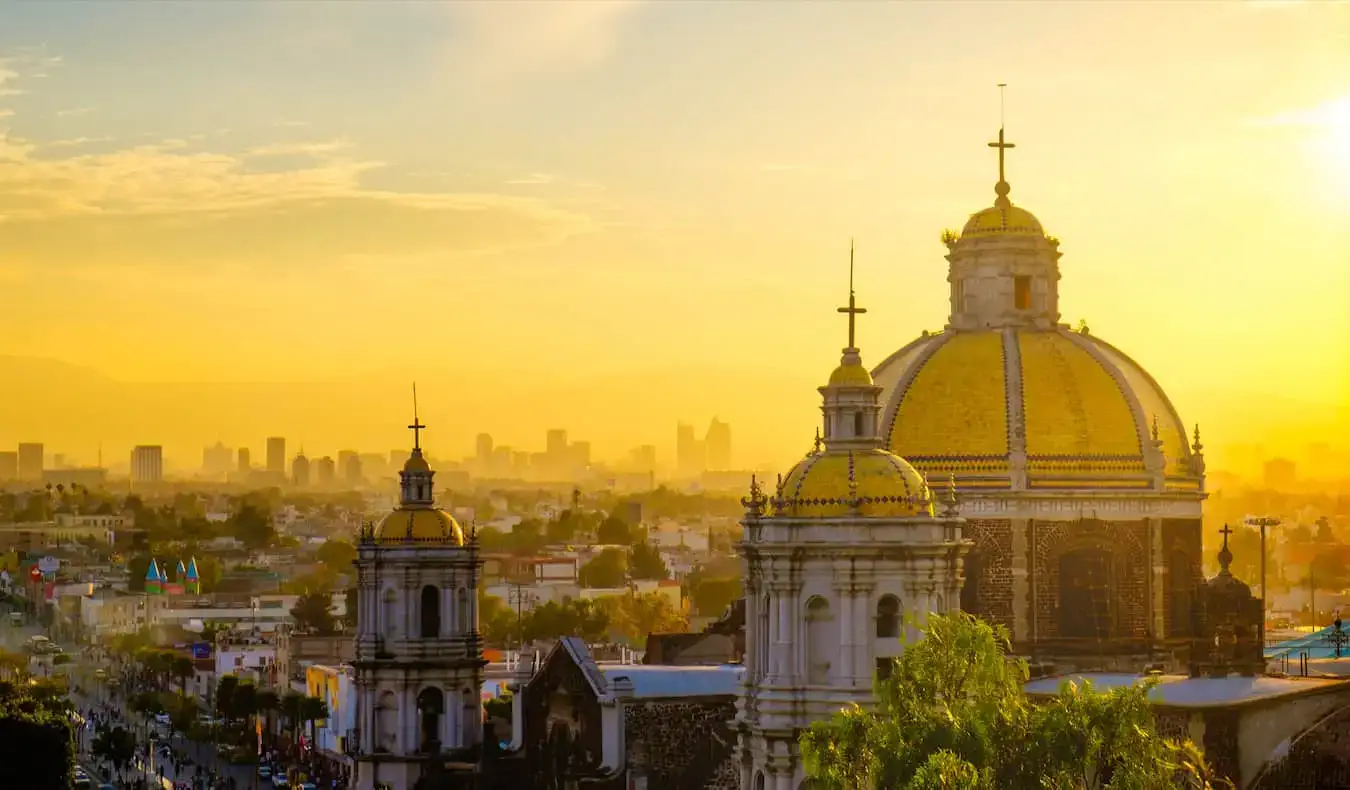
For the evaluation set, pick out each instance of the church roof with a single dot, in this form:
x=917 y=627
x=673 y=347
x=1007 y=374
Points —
x=851 y=375
x=1183 y=691
x=1006 y=220
x=657 y=682
x=1082 y=411
x=826 y=484
x=419 y=525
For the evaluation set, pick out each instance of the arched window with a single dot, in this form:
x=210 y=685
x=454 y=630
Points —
x=1086 y=593
x=888 y=617
x=759 y=780
x=462 y=610
x=430 y=708
x=857 y=423
x=386 y=723
x=431 y=612
x=389 y=615
x=970 y=590
x=762 y=646
x=822 y=643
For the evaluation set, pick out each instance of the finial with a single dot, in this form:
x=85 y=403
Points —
x=1225 y=556
x=1196 y=446
x=754 y=503
x=1001 y=188
x=1155 y=427
x=819 y=441
x=853 y=310
x=951 y=492
x=417 y=427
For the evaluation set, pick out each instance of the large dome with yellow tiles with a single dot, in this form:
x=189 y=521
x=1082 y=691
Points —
x=419 y=525
x=1061 y=407
x=870 y=482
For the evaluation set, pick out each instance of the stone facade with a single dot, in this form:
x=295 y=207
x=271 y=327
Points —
x=988 y=589
x=684 y=744
x=1318 y=760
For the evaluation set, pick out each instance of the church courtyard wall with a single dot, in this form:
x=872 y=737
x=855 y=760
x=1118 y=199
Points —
x=682 y=745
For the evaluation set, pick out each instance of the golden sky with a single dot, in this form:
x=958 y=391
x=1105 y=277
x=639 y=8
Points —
x=609 y=217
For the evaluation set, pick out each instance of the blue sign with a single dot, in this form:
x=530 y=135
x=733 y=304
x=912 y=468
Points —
x=201 y=650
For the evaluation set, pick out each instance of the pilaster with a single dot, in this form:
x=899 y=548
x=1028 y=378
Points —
x=1157 y=578
x=1021 y=579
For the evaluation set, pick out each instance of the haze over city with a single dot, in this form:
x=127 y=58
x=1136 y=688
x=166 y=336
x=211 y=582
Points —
x=235 y=221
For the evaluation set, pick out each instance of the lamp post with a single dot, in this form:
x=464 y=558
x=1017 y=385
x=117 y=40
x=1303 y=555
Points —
x=1261 y=523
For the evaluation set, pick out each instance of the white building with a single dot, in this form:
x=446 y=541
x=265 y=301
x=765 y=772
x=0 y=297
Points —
x=147 y=464
x=419 y=659
x=845 y=547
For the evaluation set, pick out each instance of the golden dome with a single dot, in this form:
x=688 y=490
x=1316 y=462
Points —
x=1082 y=412
x=1006 y=220
x=851 y=375
x=886 y=486
x=419 y=525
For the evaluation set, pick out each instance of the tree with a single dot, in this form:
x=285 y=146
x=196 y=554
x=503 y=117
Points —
x=645 y=562
x=613 y=531
x=562 y=529
x=954 y=714
x=38 y=740
x=634 y=617
x=608 y=569
x=182 y=711
x=269 y=702
x=527 y=537
x=225 y=690
x=116 y=745
x=314 y=611
x=312 y=709
x=252 y=526
x=337 y=555
x=712 y=596
x=491 y=539
x=574 y=617
x=496 y=620
x=184 y=669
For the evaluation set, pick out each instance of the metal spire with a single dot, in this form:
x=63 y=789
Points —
x=417 y=427
x=853 y=310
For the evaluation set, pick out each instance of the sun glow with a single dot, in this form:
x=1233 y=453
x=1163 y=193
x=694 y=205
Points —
x=1330 y=125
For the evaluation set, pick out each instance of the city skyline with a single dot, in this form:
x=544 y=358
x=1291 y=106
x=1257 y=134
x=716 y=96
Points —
x=604 y=280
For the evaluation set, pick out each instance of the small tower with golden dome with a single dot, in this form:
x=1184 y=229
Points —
x=1004 y=269
x=419 y=656
x=835 y=558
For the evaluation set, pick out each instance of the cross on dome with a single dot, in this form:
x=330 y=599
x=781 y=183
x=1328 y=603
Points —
x=417 y=427
x=852 y=310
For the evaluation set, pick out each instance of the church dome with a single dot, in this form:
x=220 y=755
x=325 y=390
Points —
x=824 y=485
x=851 y=374
x=419 y=525
x=1071 y=408
x=1005 y=220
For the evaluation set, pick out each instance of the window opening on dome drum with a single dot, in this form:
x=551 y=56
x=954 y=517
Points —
x=1022 y=292
x=857 y=424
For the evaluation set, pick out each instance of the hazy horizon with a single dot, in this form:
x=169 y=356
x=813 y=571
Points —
x=613 y=217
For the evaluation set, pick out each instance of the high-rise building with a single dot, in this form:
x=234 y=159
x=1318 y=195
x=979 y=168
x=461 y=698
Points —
x=217 y=460
x=690 y=453
x=556 y=443
x=9 y=465
x=643 y=458
x=147 y=464
x=245 y=461
x=579 y=455
x=276 y=454
x=325 y=471
x=718 y=442
x=300 y=470
x=483 y=449
x=30 y=462
x=351 y=468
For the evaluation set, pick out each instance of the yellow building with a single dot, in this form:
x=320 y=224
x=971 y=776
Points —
x=1080 y=484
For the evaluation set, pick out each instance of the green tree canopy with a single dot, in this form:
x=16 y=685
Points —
x=337 y=555
x=645 y=561
x=314 y=611
x=608 y=569
x=613 y=531
x=252 y=526
x=37 y=741
x=954 y=714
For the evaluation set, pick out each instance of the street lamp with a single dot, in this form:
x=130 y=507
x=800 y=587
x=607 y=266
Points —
x=1261 y=523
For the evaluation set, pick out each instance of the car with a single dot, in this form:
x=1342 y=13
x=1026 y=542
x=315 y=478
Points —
x=264 y=772
x=279 y=780
x=162 y=718
x=106 y=786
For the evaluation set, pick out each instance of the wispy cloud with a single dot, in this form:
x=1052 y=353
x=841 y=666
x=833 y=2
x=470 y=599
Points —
x=533 y=179
x=74 y=112
x=504 y=42
x=1330 y=113
x=76 y=141
x=300 y=149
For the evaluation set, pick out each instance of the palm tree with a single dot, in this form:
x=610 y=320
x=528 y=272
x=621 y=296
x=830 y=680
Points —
x=268 y=702
x=292 y=710
x=312 y=709
x=225 y=691
x=183 y=668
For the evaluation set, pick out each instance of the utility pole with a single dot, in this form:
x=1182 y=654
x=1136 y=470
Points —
x=1262 y=523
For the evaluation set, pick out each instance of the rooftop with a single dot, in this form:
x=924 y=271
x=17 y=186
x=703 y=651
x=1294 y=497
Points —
x=671 y=681
x=1187 y=692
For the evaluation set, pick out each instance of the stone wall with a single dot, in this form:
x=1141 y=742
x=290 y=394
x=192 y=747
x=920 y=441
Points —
x=1127 y=544
x=988 y=590
x=1182 y=558
x=1320 y=759
x=681 y=745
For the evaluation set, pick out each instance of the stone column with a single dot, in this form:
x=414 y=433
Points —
x=1021 y=580
x=1158 y=581
x=751 y=627
x=865 y=634
x=782 y=643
